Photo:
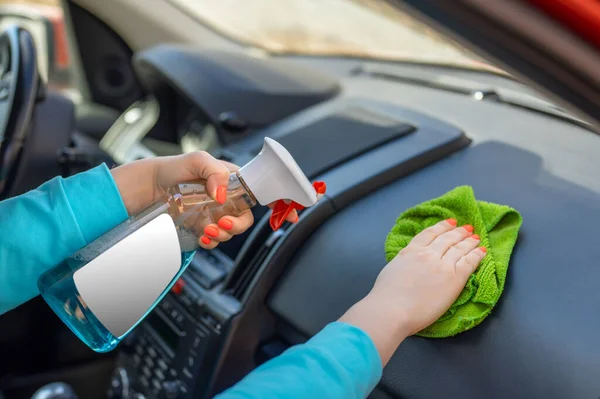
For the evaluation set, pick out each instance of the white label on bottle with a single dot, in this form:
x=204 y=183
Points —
x=121 y=284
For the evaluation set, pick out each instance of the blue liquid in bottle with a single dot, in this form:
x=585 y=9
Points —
x=59 y=291
x=190 y=210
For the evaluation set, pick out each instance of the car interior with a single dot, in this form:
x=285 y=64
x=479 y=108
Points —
x=385 y=134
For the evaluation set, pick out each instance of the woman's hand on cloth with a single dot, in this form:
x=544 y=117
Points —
x=418 y=286
x=142 y=182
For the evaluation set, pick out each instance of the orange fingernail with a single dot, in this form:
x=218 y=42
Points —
x=225 y=224
x=221 y=194
x=205 y=240
x=211 y=231
x=475 y=237
x=452 y=222
x=483 y=249
x=468 y=227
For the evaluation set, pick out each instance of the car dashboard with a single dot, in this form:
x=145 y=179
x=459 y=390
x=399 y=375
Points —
x=383 y=141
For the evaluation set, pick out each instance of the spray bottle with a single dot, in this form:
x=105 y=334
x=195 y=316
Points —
x=107 y=288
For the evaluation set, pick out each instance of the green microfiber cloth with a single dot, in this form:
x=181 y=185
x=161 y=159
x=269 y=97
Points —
x=498 y=227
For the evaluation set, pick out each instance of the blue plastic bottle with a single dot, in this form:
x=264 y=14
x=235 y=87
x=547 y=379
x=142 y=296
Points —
x=107 y=288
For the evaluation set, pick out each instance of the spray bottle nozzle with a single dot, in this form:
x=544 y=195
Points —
x=282 y=208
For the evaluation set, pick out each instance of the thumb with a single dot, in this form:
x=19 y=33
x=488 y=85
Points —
x=205 y=166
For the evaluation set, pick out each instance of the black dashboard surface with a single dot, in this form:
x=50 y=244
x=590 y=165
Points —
x=542 y=339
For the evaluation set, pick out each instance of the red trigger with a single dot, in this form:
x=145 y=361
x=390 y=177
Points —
x=281 y=209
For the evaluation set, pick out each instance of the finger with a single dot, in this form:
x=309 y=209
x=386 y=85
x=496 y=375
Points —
x=236 y=225
x=444 y=241
x=207 y=243
x=427 y=236
x=469 y=263
x=231 y=167
x=292 y=217
x=205 y=166
x=215 y=233
x=459 y=250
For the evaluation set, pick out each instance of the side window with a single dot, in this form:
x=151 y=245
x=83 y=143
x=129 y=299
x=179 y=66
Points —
x=45 y=20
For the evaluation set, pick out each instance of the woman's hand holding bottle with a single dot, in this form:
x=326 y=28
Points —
x=142 y=182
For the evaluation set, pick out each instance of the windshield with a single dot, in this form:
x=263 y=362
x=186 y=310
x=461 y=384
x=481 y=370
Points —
x=356 y=28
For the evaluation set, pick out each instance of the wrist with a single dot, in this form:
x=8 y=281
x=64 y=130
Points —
x=382 y=320
x=136 y=184
x=94 y=189
x=390 y=312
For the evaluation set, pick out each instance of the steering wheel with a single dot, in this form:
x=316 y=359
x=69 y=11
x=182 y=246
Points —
x=19 y=88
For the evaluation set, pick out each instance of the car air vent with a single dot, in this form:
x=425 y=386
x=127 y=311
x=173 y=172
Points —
x=243 y=277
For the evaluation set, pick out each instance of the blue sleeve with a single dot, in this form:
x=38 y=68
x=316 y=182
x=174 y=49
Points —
x=340 y=362
x=44 y=226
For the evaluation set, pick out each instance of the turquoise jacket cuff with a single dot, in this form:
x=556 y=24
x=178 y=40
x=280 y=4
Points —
x=354 y=349
x=95 y=202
